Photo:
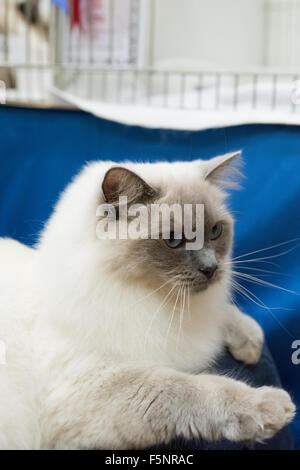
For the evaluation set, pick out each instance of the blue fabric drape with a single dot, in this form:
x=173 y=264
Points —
x=40 y=151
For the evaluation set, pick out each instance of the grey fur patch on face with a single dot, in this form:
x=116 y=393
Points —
x=154 y=261
x=198 y=268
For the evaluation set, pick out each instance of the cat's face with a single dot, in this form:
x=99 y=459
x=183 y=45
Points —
x=167 y=260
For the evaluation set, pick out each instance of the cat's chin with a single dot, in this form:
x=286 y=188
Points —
x=196 y=286
x=200 y=287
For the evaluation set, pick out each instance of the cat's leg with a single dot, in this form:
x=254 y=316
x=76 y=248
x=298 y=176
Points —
x=138 y=408
x=243 y=336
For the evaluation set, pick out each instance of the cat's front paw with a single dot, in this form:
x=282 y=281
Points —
x=261 y=415
x=246 y=343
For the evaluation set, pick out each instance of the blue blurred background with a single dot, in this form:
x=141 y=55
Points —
x=40 y=151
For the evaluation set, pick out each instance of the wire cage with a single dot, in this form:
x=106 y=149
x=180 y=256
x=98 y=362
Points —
x=41 y=44
x=115 y=51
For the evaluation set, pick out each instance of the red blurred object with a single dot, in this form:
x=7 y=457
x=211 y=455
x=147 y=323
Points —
x=85 y=11
x=75 y=17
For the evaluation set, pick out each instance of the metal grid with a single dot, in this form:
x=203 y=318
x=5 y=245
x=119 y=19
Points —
x=103 y=66
x=113 y=43
x=38 y=51
x=205 y=90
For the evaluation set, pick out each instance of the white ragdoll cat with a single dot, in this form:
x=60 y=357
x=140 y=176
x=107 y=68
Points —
x=97 y=353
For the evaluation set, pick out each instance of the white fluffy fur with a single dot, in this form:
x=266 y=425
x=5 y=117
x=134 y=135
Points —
x=79 y=372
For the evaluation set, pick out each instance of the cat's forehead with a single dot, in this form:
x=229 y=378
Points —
x=192 y=191
x=182 y=183
x=182 y=180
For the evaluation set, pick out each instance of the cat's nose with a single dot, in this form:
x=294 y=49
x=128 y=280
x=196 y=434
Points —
x=209 y=271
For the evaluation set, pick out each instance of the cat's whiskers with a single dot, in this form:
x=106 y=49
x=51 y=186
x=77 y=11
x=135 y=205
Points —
x=253 y=260
x=256 y=280
x=260 y=303
x=248 y=294
x=189 y=304
x=152 y=292
x=262 y=259
x=250 y=268
x=268 y=248
x=171 y=320
x=162 y=304
x=182 y=305
x=242 y=290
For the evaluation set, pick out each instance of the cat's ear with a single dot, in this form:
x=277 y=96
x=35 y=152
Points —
x=119 y=181
x=225 y=170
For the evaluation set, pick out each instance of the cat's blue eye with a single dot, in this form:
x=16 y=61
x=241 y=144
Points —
x=172 y=242
x=216 y=231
